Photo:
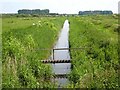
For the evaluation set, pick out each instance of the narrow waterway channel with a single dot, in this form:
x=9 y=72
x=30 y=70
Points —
x=62 y=68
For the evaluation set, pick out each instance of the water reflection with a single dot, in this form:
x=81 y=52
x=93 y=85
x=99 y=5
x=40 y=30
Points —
x=62 y=68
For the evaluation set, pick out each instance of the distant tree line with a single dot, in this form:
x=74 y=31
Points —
x=34 y=11
x=53 y=14
x=94 y=12
x=46 y=12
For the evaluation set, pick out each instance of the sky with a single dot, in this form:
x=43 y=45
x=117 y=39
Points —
x=58 y=6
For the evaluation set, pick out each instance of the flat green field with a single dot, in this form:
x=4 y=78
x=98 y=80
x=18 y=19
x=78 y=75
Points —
x=94 y=66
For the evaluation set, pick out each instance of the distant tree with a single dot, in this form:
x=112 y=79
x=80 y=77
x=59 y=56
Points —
x=53 y=14
x=34 y=11
x=94 y=12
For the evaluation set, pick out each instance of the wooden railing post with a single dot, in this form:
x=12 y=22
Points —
x=53 y=54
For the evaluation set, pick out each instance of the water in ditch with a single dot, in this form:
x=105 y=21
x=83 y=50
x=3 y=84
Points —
x=62 y=68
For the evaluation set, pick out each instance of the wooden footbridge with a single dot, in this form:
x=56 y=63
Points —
x=59 y=61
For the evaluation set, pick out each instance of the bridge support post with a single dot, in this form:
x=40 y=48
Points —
x=53 y=54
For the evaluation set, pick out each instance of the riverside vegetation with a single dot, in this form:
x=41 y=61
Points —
x=22 y=39
x=93 y=67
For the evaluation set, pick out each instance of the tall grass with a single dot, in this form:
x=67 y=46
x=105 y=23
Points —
x=22 y=40
x=97 y=65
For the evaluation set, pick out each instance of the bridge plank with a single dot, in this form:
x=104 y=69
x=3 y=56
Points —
x=61 y=75
x=56 y=61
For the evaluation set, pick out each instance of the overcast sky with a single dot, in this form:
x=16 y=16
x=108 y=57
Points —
x=58 y=6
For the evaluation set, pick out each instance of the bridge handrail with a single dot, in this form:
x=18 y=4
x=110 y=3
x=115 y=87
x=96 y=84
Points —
x=63 y=48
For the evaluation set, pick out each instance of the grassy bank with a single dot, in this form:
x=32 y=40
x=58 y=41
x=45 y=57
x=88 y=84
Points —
x=22 y=38
x=97 y=65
